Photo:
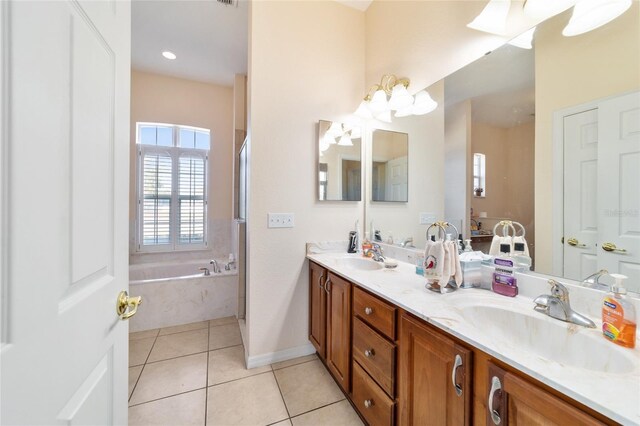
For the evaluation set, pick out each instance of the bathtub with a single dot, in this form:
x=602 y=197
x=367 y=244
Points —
x=179 y=293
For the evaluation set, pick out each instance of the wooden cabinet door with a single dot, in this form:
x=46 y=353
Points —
x=317 y=308
x=434 y=377
x=521 y=402
x=338 y=357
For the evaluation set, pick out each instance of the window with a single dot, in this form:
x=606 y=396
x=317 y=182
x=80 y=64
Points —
x=479 y=184
x=172 y=187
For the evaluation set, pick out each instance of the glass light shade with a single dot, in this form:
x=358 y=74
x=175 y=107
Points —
x=378 y=102
x=363 y=111
x=524 y=40
x=493 y=18
x=591 y=14
x=328 y=139
x=404 y=112
x=424 y=103
x=542 y=9
x=384 y=116
x=323 y=146
x=345 y=140
x=400 y=97
x=335 y=129
x=356 y=133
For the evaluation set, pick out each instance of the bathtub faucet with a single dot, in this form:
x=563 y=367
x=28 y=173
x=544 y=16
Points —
x=215 y=267
x=206 y=271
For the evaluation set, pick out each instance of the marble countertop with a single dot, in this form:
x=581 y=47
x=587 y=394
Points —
x=608 y=379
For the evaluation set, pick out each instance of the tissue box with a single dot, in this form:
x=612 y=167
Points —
x=471 y=273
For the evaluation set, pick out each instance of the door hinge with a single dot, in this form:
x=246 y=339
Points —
x=562 y=240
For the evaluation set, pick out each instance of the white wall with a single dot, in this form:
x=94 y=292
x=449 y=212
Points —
x=158 y=98
x=306 y=64
x=456 y=166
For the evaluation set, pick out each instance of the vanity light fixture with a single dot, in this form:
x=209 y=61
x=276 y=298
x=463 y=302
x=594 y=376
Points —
x=345 y=140
x=335 y=130
x=391 y=94
x=524 y=40
x=543 y=9
x=493 y=18
x=169 y=55
x=591 y=14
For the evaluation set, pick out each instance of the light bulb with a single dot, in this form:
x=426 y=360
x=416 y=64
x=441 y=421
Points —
x=335 y=129
x=591 y=14
x=400 y=97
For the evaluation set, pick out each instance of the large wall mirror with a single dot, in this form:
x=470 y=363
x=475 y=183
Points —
x=390 y=166
x=339 y=162
x=548 y=137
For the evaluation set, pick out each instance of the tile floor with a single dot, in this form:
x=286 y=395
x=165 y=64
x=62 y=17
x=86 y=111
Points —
x=194 y=374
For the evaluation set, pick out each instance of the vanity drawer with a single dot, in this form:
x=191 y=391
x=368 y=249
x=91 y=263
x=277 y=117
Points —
x=375 y=354
x=375 y=312
x=371 y=401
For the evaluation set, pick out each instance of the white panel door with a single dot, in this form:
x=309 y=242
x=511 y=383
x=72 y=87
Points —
x=65 y=144
x=397 y=179
x=619 y=186
x=580 y=194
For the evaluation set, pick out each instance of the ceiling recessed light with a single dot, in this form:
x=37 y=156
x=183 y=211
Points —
x=169 y=55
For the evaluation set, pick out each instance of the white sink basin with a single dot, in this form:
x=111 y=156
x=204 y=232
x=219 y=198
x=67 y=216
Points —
x=360 y=263
x=567 y=344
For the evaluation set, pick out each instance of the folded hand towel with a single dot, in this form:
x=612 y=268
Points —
x=434 y=260
x=495 y=245
x=456 y=267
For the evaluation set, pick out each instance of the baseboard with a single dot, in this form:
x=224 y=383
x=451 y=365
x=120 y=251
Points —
x=284 y=355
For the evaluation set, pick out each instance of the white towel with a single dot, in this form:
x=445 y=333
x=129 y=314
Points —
x=434 y=260
x=497 y=242
x=520 y=239
x=456 y=267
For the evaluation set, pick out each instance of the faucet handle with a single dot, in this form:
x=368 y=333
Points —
x=559 y=290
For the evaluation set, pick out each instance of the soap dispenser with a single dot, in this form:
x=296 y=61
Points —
x=619 y=315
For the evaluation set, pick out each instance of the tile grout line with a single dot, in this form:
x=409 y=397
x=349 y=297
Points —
x=166 y=397
x=293 y=365
x=206 y=383
x=281 y=394
x=319 y=408
x=141 y=371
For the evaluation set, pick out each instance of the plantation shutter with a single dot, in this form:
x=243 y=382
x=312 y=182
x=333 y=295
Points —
x=191 y=199
x=156 y=198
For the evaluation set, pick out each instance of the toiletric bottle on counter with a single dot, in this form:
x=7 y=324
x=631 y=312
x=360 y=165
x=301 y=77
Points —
x=522 y=261
x=353 y=242
x=619 y=315
x=504 y=280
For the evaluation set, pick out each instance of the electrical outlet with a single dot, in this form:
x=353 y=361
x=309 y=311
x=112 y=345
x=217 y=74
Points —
x=280 y=220
x=427 y=218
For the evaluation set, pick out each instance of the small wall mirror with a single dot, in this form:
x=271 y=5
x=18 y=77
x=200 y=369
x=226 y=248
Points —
x=389 y=168
x=339 y=162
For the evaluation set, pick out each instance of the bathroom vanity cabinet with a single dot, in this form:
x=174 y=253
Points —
x=330 y=322
x=396 y=368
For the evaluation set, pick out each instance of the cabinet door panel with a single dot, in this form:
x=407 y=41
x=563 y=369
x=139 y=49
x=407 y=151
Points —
x=339 y=330
x=521 y=402
x=426 y=387
x=317 y=308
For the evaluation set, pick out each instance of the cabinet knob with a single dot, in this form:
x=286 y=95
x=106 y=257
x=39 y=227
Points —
x=368 y=403
x=368 y=310
x=369 y=353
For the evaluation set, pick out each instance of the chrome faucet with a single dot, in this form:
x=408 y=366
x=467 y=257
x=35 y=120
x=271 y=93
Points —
x=206 y=271
x=215 y=267
x=593 y=280
x=376 y=252
x=557 y=305
x=408 y=242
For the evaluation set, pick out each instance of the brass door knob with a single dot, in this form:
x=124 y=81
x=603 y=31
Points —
x=573 y=242
x=126 y=306
x=610 y=247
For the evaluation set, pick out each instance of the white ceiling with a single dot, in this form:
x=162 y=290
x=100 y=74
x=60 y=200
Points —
x=208 y=37
x=501 y=86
